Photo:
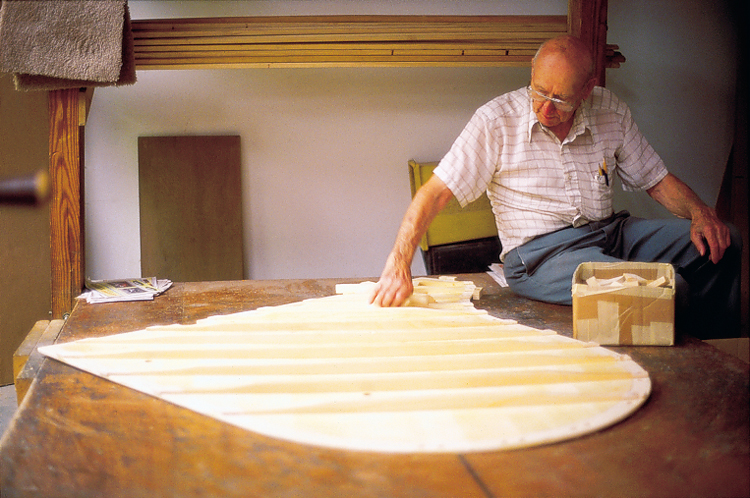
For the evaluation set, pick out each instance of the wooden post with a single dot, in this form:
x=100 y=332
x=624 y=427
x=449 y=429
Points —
x=587 y=19
x=66 y=206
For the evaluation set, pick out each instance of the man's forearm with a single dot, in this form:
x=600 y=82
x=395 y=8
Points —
x=707 y=232
x=395 y=283
x=678 y=198
x=427 y=203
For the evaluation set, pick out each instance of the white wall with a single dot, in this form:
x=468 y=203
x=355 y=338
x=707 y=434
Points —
x=679 y=81
x=325 y=150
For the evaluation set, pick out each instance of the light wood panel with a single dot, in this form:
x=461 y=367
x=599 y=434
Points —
x=435 y=376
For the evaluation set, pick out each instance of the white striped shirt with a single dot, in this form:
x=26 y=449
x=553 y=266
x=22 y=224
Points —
x=536 y=184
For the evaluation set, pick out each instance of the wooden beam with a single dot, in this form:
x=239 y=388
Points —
x=587 y=19
x=66 y=205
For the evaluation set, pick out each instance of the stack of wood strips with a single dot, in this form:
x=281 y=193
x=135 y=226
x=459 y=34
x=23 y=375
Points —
x=342 y=373
x=627 y=280
x=342 y=41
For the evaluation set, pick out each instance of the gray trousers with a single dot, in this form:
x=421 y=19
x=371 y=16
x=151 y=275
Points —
x=708 y=295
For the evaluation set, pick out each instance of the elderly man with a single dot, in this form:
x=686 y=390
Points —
x=546 y=155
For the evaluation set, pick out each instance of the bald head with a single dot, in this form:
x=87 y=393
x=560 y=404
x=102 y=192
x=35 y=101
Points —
x=561 y=79
x=569 y=50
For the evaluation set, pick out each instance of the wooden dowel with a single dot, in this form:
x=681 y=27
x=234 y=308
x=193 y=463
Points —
x=318 y=61
x=384 y=52
x=296 y=22
x=489 y=44
x=338 y=38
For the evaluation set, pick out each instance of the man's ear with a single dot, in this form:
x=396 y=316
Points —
x=590 y=84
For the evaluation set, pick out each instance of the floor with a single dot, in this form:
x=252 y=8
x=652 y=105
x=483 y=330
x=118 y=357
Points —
x=8 y=406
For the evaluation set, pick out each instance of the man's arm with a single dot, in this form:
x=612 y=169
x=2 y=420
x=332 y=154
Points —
x=706 y=228
x=395 y=284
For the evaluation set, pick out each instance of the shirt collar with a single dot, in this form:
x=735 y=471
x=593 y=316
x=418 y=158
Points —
x=531 y=119
x=581 y=119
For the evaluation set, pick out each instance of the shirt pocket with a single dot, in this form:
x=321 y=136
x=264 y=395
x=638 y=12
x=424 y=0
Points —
x=597 y=198
x=604 y=172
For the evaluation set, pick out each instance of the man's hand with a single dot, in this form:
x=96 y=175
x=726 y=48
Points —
x=708 y=233
x=395 y=285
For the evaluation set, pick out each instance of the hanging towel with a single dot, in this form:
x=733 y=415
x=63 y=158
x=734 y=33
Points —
x=54 y=44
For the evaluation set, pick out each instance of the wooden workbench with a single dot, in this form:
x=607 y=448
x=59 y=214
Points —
x=79 y=435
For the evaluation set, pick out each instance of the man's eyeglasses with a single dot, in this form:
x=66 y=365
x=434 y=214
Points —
x=560 y=105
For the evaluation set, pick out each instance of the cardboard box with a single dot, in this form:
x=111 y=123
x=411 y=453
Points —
x=637 y=315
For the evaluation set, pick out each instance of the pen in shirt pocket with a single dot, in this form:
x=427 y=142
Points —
x=603 y=172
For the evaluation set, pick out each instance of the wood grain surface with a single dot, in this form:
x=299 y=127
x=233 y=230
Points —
x=66 y=205
x=437 y=375
x=78 y=435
